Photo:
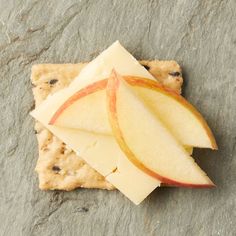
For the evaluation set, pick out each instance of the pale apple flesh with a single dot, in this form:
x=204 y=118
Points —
x=86 y=110
x=178 y=115
x=76 y=112
x=146 y=142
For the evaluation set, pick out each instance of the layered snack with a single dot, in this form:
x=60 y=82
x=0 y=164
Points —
x=128 y=125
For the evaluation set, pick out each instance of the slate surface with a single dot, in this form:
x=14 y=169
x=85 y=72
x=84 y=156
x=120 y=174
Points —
x=200 y=35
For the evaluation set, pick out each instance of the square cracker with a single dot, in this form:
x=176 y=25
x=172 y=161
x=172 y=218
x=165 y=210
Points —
x=58 y=167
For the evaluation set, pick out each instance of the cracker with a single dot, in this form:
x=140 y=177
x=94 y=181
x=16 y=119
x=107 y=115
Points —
x=58 y=167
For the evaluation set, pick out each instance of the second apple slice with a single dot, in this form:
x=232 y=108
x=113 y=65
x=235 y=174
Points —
x=146 y=141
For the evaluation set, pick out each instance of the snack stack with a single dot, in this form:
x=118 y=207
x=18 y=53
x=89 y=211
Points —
x=117 y=123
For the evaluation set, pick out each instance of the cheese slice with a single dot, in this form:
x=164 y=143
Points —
x=101 y=151
x=131 y=181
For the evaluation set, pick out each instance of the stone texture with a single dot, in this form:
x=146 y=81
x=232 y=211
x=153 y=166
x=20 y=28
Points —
x=200 y=35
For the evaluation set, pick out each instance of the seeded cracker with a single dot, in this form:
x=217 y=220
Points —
x=58 y=166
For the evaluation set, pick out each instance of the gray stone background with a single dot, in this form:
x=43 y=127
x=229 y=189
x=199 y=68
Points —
x=200 y=35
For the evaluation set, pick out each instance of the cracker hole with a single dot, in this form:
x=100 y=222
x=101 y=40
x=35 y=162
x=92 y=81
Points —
x=175 y=73
x=53 y=81
x=56 y=168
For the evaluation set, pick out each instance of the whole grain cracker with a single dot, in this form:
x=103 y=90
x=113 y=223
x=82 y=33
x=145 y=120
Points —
x=58 y=167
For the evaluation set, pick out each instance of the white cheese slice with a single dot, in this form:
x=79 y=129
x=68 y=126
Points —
x=115 y=57
x=131 y=181
x=100 y=151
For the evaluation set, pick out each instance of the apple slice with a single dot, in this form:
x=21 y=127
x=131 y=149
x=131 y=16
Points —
x=178 y=115
x=86 y=110
x=146 y=142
